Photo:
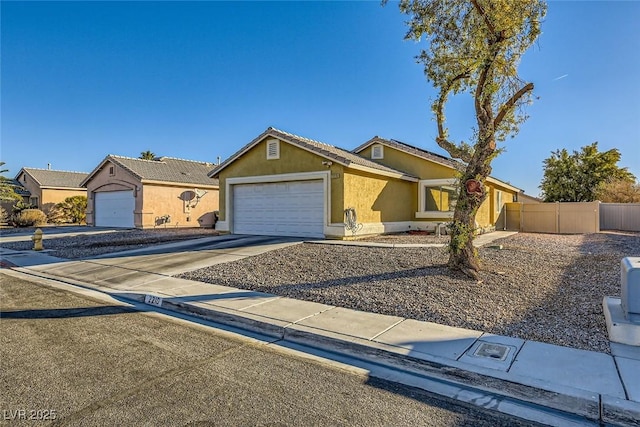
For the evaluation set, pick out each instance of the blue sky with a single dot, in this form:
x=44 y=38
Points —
x=199 y=80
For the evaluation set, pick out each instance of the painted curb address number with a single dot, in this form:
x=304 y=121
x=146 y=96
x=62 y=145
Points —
x=153 y=300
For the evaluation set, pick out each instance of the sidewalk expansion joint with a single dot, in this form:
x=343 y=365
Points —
x=624 y=387
x=387 y=329
x=310 y=316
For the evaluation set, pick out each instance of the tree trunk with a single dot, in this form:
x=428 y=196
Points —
x=462 y=253
x=463 y=256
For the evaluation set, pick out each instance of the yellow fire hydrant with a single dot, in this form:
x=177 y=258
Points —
x=37 y=240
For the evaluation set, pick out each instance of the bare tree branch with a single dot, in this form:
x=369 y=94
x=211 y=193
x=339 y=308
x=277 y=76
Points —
x=511 y=103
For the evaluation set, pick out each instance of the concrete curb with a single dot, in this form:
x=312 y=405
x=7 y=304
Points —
x=620 y=412
x=566 y=402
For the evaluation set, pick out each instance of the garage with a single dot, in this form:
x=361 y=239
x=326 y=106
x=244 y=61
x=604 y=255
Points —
x=291 y=208
x=114 y=209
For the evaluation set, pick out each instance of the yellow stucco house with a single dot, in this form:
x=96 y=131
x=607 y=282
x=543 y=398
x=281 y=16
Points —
x=284 y=184
x=166 y=192
x=436 y=188
x=45 y=188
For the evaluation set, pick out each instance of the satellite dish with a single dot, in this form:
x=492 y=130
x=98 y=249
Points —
x=200 y=193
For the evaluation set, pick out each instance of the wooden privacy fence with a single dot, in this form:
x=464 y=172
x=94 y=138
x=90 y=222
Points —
x=620 y=216
x=555 y=218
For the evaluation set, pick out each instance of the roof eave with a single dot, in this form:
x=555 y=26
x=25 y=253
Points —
x=94 y=171
x=402 y=176
x=269 y=133
x=238 y=154
x=32 y=177
x=60 y=187
x=493 y=180
x=362 y=147
x=181 y=184
x=385 y=142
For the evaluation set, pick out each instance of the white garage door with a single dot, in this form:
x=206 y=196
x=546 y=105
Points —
x=114 y=209
x=279 y=209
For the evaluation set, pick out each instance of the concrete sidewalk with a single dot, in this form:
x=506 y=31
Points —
x=487 y=370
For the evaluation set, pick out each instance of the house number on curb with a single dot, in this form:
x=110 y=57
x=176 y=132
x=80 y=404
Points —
x=153 y=300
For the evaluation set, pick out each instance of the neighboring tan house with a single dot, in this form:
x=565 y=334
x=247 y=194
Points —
x=437 y=187
x=284 y=184
x=525 y=198
x=7 y=205
x=47 y=187
x=165 y=192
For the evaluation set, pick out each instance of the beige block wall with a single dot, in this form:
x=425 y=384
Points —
x=562 y=218
x=180 y=203
x=292 y=160
x=377 y=198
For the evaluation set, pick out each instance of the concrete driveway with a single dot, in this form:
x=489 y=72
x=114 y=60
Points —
x=152 y=263
x=175 y=258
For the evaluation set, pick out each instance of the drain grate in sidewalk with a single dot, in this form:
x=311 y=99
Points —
x=492 y=351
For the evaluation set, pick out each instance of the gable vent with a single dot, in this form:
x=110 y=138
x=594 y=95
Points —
x=273 y=149
x=377 y=152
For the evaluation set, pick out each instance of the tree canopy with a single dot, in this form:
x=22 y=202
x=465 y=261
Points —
x=578 y=177
x=475 y=47
x=147 y=155
x=7 y=189
x=618 y=191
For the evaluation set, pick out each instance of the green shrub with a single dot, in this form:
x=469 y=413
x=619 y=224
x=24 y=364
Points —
x=30 y=217
x=20 y=206
x=72 y=210
x=4 y=216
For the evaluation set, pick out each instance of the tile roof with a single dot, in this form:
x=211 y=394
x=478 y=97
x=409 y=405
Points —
x=164 y=169
x=55 y=178
x=419 y=152
x=339 y=155
x=425 y=154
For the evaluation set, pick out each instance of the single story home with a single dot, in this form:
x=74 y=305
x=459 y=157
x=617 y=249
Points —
x=284 y=184
x=164 y=192
x=437 y=185
x=46 y=187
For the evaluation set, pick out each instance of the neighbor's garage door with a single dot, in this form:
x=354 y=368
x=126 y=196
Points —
x=279 y=209
x=114 y=209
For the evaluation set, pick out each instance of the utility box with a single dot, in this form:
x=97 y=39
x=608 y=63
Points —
x=630 y=297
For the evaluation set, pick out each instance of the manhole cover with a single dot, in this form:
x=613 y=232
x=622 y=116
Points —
x=492 y=351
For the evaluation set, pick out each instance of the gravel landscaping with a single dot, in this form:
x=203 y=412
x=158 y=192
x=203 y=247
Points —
x=540 y=287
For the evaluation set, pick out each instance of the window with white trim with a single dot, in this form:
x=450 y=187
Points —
x=499 y=201
x=437 y=198
x=273 y=149
x=377 y=151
